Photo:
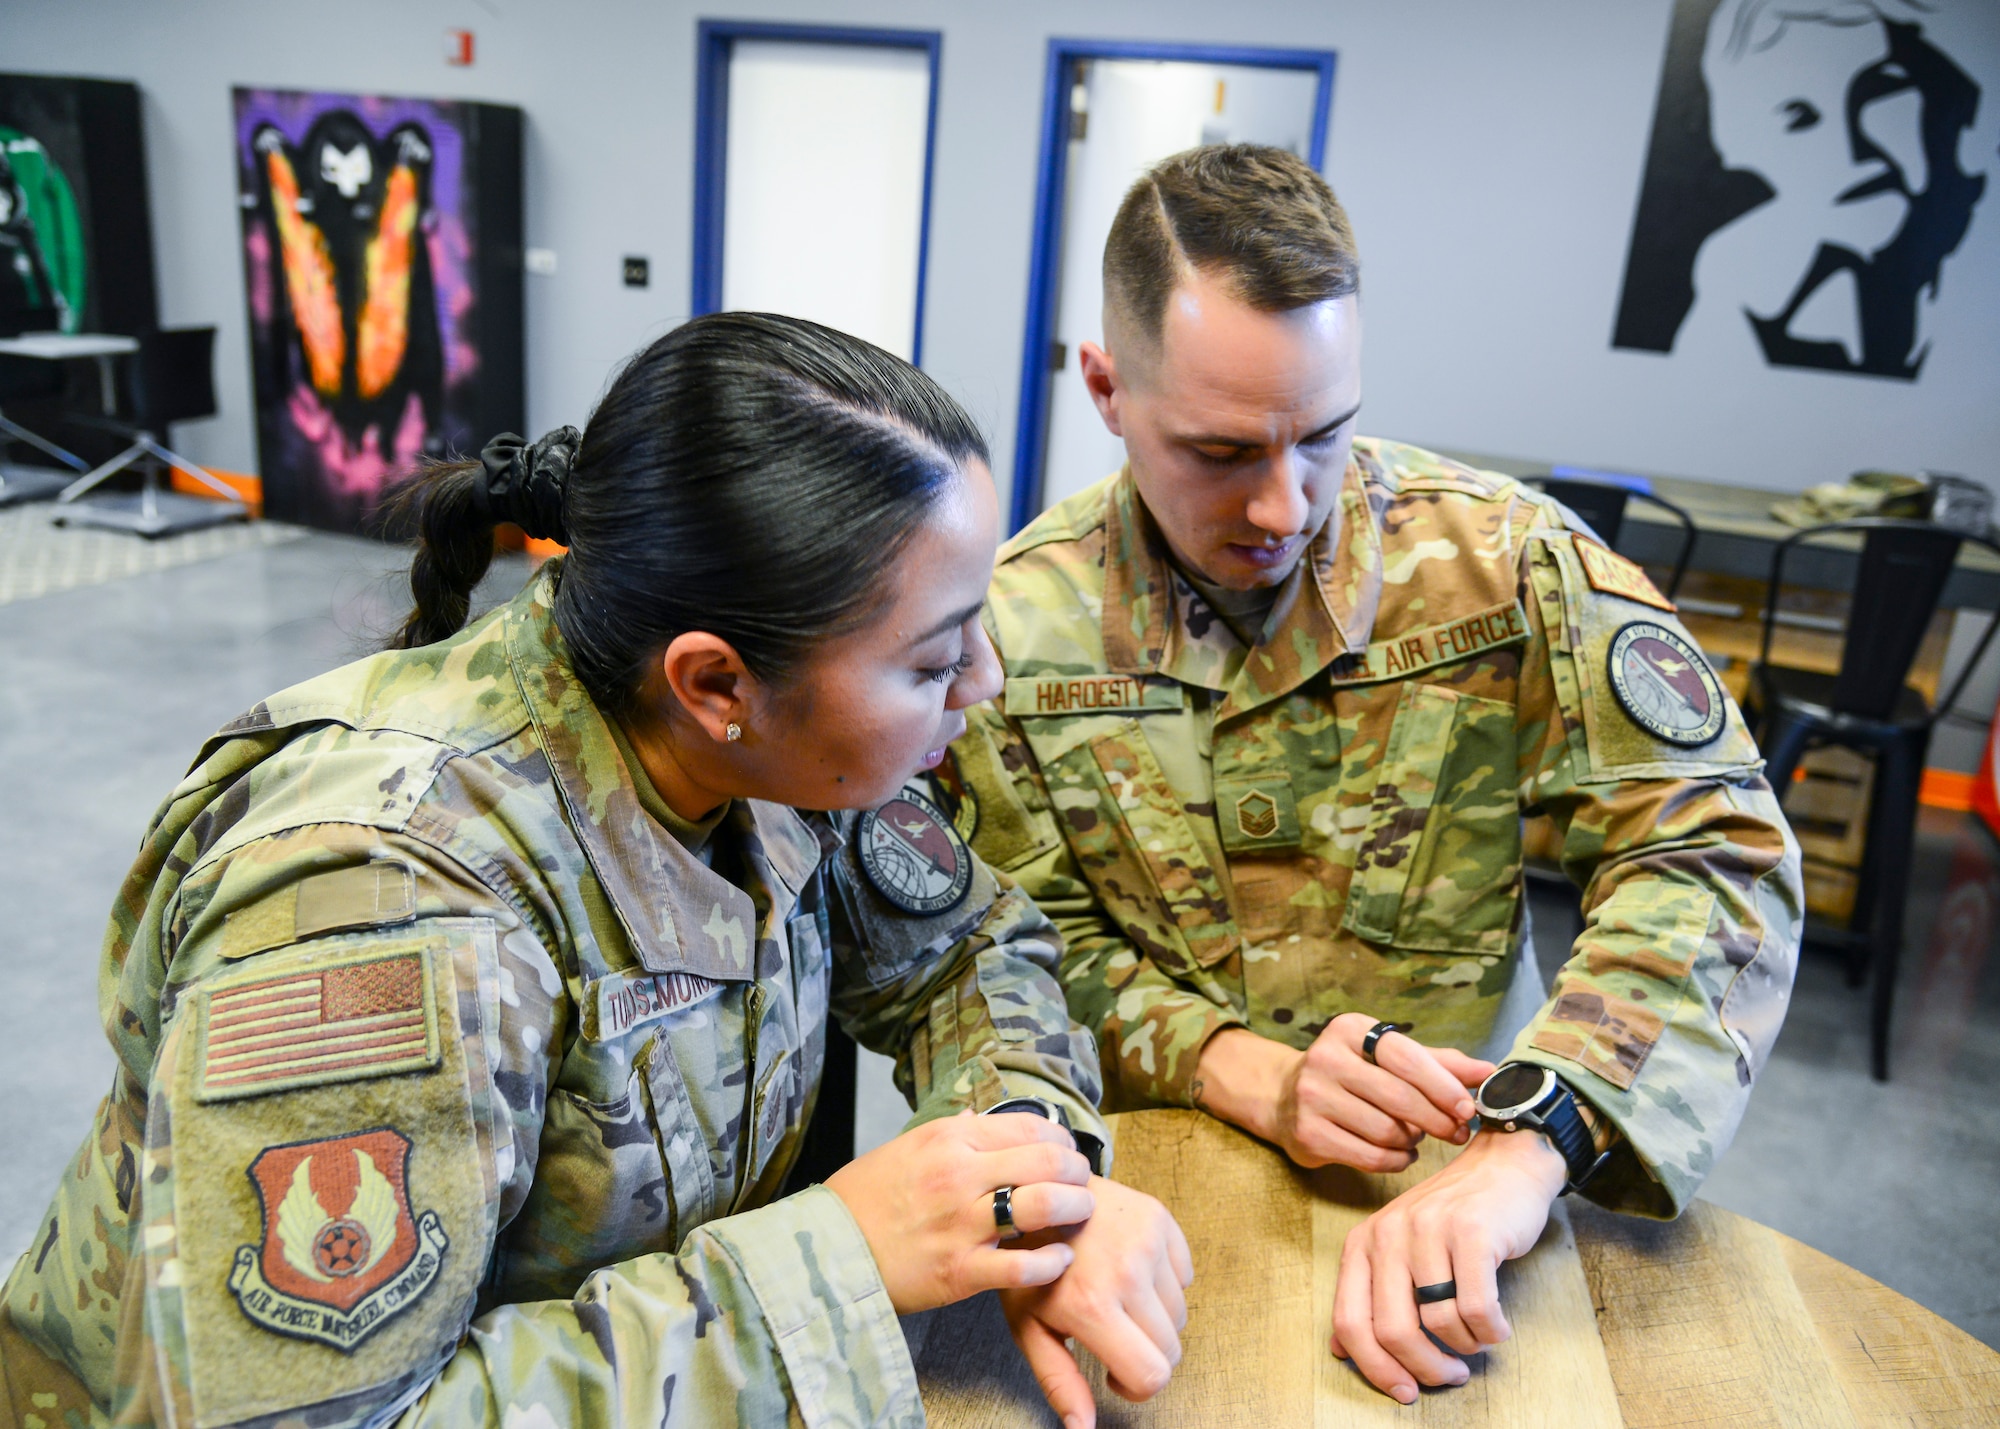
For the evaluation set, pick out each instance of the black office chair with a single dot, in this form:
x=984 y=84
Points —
x=29 y=379
x=1868 y=707
x=172 y=380
x=1602 y=504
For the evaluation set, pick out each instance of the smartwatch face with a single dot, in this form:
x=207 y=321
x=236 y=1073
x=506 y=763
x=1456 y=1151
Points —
x=1512 y=1086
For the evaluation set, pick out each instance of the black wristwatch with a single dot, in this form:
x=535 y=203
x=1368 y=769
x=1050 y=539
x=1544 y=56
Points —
x=1523 y=1096
x=1091 y=1146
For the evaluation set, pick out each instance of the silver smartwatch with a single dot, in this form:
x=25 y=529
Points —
x=1524 y=1097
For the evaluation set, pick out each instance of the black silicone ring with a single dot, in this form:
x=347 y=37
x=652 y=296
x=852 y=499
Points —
x=1437 y=1294
x=1003 y=1213
x=1376 y=1034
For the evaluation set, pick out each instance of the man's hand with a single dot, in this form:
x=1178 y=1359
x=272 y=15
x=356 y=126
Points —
x=1488 y=1206
x=1123 y=1298
x=1327 y=1104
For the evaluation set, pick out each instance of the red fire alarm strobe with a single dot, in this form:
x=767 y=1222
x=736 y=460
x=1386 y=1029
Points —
x=458 y=47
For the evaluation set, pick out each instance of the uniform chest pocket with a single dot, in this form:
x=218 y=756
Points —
x=1132 y=837
x=1440 y=861
x=600 y=1192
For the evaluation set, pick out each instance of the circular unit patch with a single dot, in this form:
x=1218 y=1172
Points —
x=913 y=855
x=1665 y=685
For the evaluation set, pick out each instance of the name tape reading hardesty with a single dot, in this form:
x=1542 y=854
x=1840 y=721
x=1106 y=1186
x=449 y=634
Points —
x=1089 y=694
x=369 y=1016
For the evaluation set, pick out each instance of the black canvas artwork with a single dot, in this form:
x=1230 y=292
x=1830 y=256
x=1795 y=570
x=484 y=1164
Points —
x=76 y=233
x=1804 y=175
x=382 y=261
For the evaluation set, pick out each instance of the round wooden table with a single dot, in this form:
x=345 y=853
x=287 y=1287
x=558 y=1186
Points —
x=1708 y=1320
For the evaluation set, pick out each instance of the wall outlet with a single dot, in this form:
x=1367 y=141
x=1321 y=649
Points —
x=638 y=272
x=541 y=261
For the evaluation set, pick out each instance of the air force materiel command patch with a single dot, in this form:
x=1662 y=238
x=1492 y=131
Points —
x=342 y=1252
x=1665 y=684
x=913 y=855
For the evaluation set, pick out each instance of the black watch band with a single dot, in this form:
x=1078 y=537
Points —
x=1092 y=1147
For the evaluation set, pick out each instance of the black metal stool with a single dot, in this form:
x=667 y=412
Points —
x=1868 y=707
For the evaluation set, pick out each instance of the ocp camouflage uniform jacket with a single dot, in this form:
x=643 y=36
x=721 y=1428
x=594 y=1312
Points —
x=548 y=1075
x=1331 y=821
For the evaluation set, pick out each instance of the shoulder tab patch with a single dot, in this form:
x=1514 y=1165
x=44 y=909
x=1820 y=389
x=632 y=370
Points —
x=913 y=855
x=1612 y=574
x=1665 y=685
x=1445 y=644
x=1090 y=694
x=368 y=895
x=342 y=1252
x=371 y=1014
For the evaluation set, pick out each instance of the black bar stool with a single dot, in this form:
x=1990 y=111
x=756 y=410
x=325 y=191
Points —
x=1869 y=707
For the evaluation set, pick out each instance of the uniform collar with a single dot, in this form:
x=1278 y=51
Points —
x=680 y=915
x=1325 y=609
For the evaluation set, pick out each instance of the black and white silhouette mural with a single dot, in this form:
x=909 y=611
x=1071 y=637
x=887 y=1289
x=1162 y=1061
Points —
x=1814 y=167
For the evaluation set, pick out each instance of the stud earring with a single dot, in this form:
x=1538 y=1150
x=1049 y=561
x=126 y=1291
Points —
x=733 y=732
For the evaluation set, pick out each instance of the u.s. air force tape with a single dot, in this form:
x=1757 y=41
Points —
x=913 y=855
x=1665 y=684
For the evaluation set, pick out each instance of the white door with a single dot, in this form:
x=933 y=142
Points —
x=823 y=194
x=1135 y=113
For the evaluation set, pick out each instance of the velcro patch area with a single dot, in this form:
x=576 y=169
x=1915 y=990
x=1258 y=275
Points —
x=334 y=1020
x=1607 y=1035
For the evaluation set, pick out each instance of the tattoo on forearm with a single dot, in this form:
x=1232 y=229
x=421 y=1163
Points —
x=1195 y=1094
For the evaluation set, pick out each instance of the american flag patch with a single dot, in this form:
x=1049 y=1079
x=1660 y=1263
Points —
x=335 y=1021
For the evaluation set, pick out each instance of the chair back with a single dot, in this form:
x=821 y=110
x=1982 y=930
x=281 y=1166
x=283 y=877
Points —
x=1597 y=502
x=1602 y=504
x=1900 y=578
x=173 y=377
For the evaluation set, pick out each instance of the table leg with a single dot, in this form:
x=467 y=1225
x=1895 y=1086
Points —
x=107 y=386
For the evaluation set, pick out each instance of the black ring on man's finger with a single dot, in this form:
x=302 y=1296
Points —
x=1376 y=1034
x=1003 y=1213
x=1437 y=1294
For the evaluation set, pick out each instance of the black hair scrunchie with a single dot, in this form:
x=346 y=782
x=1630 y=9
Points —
x=522 y=481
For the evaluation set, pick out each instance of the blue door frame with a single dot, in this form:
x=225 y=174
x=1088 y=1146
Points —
x=714 y=42
x=1031 y=427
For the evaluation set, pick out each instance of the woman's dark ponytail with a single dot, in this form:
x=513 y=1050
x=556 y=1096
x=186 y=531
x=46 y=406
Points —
x=454 y=507
x=454 y=534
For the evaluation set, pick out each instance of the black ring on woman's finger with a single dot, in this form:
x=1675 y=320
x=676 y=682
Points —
x=1376 y=1034
x=1003 y=1214
x=1437 y=1294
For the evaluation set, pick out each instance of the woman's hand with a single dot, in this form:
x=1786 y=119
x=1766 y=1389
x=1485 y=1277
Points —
x=1329 y=1105
x=924 y=1203
x=1488 y=1206
x=1123 y=1299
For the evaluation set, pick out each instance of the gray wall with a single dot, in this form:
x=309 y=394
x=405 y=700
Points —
x=1490 y=155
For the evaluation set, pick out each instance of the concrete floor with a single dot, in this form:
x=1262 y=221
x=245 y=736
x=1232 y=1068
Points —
x=107 y=691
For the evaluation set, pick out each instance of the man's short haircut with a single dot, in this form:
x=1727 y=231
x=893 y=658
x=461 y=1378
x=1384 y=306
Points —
x=1259 y=217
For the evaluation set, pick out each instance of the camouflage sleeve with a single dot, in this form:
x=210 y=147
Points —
x=1692 y=896
x=1150 y=1027
x=965 y=1000
x=317 y=1211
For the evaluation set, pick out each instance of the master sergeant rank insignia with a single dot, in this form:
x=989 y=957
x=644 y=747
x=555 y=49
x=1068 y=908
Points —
x=1665 y=685
x=342 y=1252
